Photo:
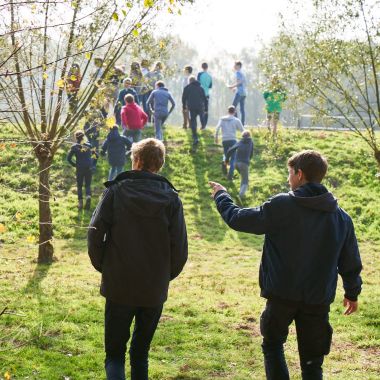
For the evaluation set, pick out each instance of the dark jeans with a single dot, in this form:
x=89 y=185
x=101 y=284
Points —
x=227 y=145
x=193 y=123
x=240 y=99
x=204 y=117
x=134 y=135
x=117 y=113
x=118 y=320
x=314 y=335
x=84 y=175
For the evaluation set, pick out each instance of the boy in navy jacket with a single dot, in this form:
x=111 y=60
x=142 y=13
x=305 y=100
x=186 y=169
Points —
x=82 y=151
x=309 y=239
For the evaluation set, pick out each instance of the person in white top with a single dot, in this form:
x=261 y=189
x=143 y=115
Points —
x=187 y=71
x=228 y=125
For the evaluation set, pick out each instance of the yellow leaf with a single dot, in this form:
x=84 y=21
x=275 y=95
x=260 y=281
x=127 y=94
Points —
x=138 y=25
x=45 y=76
x=162 y=44
x=31 y=239
x=88 y=55
x=94 y=157
x=171 y=2
x=2 y=146
x=129 y=4
x=13 y=145
x=135 y=32
x=73 y=77
x=18 y=215
x=115 y=16
x=80 y=45
x=148 y=3
x=170 y=10
x=60 y=83
x=124 y=12
x=2 y=228
x=7 y=376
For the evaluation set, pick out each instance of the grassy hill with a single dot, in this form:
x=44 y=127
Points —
x=210 y=327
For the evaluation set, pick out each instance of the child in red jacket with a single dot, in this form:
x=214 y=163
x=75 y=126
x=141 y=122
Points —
x=133 y=119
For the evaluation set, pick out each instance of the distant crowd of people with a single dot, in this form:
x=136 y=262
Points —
x=143 y=99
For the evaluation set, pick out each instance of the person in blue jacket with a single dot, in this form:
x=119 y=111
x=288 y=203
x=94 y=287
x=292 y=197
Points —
x=120 y=102
x=244 y=152
x=117 y=146
x=82 y=151
x=309 y=240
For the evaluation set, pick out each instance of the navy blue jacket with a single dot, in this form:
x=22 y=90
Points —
x=244 y=150
x=82 y=154
x=121 y=97
x=137 y=238
x=309 y=239
x=116 y=146
x=194 y=97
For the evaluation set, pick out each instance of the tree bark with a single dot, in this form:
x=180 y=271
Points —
x=45 y=159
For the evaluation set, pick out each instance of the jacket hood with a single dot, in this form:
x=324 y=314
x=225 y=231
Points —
x=163 y=89
x=315 y=196
x=195 y=83
x=228 y=117
x=246 y=140
x=131 y=105
x=113 y=134
x=144 y=193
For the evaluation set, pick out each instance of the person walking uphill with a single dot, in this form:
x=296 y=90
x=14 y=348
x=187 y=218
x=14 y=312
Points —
x=82 y=151
x=194 y=99
x=309 y=239
x=240 y=90
x=137 y=239
x=158 y=102
x=133 y=119
x=205 y=79
x=117 y=146
x=229 y=125
x=244 y=152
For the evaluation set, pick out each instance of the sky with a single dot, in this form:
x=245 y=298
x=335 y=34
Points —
x=215 y=25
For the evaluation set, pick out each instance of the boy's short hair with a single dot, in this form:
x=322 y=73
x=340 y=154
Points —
x=204 y=66
x=189 y=69
x=246 y=134
x=79 y=134
x=150 y=153
x=232 y=110
x=238 y=63
x=129 y=98
x=127 y=80
x=312 y=164
x=192 y=79
x=160 y=83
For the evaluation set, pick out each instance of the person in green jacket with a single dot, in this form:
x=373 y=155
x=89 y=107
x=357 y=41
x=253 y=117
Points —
x=274 y=97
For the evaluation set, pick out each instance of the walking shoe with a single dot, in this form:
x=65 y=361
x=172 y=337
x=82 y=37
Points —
x=87 y=206
x=80 y=204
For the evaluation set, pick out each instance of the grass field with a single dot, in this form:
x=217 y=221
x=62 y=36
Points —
x=53 y=328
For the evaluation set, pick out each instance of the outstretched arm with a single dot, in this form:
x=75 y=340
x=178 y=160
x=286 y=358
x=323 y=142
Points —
x=252 y=220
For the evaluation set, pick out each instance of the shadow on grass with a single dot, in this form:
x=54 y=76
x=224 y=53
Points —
x=185 y=377
x=34 y=284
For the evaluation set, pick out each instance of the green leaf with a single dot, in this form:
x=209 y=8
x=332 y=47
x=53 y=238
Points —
x=115 y=16
x=135 y=32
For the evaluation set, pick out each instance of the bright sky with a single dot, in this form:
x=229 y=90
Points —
x=214 y=25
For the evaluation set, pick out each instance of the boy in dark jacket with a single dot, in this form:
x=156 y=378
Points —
x=137 y=239
x=117 y=146
x=309 y=239
x=81 y=150
x=194 y=100
x=244 y=153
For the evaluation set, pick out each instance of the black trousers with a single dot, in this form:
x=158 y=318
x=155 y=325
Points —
x=194 y=113
x=118 y=320
x=314 y=335
x=84 y=175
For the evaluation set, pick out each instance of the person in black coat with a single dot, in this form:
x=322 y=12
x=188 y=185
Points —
x=137 y=239
x=309 y=239
x=117 y=146
x=92 y=131
x=82 y=152
x=244 y=153
x=194 y=100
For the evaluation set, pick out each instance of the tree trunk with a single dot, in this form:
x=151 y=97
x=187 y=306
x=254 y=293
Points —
x=377 y=157
x=45 y=248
